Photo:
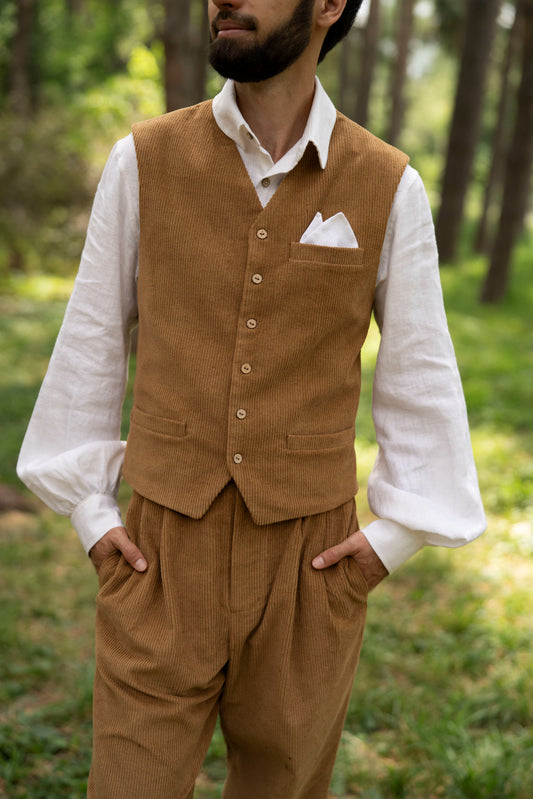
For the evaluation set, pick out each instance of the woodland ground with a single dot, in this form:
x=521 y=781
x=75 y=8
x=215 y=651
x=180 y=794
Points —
x=442 y=704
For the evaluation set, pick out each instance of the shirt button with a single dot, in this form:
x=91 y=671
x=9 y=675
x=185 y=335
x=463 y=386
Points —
x=257 y=279
x=237 y=458
x=246 y=368
x=265 y=182
x=262 y=233
x=241 y=413
x=251 y=324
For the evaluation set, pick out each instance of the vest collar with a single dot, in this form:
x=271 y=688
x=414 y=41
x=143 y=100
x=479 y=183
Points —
x=317 y=131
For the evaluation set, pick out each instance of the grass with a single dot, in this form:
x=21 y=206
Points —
x=442 y=704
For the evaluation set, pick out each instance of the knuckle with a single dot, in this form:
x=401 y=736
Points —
x=332 y=557
x=131 y=553
x=119 y=537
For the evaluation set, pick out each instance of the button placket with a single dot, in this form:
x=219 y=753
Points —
x=245 y=368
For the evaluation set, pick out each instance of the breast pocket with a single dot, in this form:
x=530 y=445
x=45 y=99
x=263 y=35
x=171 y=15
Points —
x=317 y=255
x=333 y=283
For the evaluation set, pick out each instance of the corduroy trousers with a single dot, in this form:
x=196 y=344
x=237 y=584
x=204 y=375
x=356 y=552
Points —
x=229 y=619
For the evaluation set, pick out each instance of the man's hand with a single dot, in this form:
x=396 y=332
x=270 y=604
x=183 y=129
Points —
x=117 y=539
x=355 y=546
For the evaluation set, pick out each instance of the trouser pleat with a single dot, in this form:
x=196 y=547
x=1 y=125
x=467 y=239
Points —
x=229 y=618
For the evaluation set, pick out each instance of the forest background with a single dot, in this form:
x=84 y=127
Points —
x=443 y=702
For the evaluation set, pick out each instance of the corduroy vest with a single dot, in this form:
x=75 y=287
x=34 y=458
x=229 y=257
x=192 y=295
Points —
x=248 y=362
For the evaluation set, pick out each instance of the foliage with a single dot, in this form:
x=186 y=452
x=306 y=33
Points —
x=42 y=185
x=73 y=51
x=46 y=682
x=52 y=157
x=96 y=67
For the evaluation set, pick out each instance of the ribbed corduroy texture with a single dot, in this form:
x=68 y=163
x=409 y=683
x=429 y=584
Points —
x=230 y=617
x=212 y=259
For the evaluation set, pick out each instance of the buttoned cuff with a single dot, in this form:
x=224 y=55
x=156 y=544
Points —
x=392 y=542
x=93 y=517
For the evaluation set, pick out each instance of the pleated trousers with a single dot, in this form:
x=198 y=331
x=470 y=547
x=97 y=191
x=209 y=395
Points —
x=230 y=619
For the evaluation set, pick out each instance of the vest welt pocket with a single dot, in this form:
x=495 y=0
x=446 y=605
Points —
x=318 y=255
x=320 y=441
x=158 y=424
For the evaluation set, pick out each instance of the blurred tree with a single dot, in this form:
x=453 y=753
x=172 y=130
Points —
x=404 y=27
x=184 y=38
x=450 y=16
x=20 y=89
x=466 y=122
x=74 y=6
x=518 y=170
x=499 y=137
x=368 y=63
x=345 y=81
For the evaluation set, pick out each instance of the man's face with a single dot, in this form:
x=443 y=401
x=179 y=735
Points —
x=248 y=50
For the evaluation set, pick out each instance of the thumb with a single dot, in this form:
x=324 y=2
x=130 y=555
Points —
x=131 y=553
x=332 y=555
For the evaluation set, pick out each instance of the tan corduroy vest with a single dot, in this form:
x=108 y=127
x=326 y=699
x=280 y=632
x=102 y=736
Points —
x=248 y=360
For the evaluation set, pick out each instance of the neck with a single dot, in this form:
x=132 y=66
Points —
x=277 y=109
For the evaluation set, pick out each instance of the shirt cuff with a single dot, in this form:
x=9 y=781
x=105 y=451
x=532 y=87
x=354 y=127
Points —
x=93 y=517
x=392 y=542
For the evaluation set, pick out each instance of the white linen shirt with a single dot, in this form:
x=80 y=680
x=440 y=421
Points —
x=423 y=486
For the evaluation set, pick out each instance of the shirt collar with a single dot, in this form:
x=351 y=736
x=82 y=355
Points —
x=318 y=129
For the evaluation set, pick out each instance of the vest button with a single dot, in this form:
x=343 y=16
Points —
x=237 y=458
x=257 y=279
x=262 y=233
x=246 y=368
x=251 y=324
x=241 y=413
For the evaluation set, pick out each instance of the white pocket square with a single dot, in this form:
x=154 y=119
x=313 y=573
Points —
x=334 y=232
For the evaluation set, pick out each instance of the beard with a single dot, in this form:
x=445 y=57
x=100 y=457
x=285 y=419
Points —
x=260 y=59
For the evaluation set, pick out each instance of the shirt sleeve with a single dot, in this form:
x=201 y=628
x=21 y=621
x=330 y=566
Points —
x=423 y=486
x=72 y=454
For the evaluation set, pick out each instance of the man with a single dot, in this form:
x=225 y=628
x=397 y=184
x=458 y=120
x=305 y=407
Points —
x=252 y=238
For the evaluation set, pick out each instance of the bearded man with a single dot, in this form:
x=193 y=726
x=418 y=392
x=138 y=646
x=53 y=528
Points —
x=250 y=238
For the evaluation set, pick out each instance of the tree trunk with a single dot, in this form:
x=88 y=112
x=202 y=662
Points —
x=466 y=122
x=74 y=6
x=200 y=69
x=20 y=90
x=518 y=172
x=399 y=71
x=499 y=140
x=344 y=74
x=180 y=62
x=368 y=63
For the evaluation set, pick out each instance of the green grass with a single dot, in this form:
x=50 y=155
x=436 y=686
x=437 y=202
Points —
x=442 y=704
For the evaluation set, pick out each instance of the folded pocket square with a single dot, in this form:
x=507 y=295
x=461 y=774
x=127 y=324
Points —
x=334 y=232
